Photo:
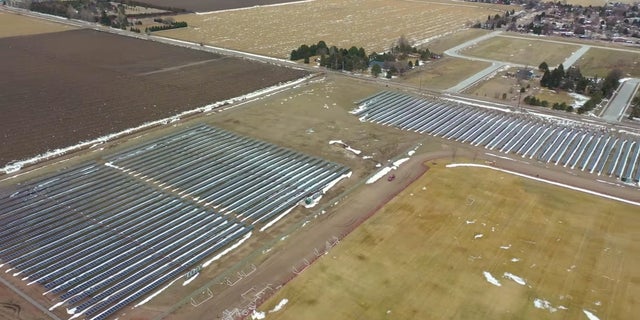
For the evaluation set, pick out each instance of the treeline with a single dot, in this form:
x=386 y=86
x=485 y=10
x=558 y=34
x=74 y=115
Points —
x=573 y=80
x=333 y=57
x=498 y=21
x=173 y=25
x=532 y=100
x=354 y=58
x=149 y=5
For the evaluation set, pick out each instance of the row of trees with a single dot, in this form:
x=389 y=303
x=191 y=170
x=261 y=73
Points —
x=173 y=25
x=573 y=80
x=394 y=61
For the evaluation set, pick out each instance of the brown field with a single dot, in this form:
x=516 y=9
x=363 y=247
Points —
x=522 y=51
x=13 y=307
x=499 y=84
x=443 y=73
x=423 y=255
x=275 y=31
x=66 y=87
x=208 y=5
x=600 y=62
x=12 y=25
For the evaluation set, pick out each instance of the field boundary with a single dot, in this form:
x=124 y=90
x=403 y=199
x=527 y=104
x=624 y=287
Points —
x=298 y=269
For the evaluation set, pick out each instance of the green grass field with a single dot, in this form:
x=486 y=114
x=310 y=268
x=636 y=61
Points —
x=527 y=52
x=600 y=61
x=423 y=255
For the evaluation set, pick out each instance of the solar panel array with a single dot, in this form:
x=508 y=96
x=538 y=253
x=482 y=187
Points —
x=103 y=235
x=576 y=147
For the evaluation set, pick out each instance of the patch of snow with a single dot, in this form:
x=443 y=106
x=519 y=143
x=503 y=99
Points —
x=397 y=163
x=278 y=218
x=491 y=279
x=410 y=153
x=379 y=175
x=221 y=254
x=190 y=279
x=578 y=100
x=257 y=315
x=515 y=278
x=356 y=151
x=151 y=296
x=56 y=305
x=478 y=236
x=544 y=304
x=334 y=182
x=367 y=157
x=515 y=260
x=471 y=221
x=279 y=306
x=590 y=315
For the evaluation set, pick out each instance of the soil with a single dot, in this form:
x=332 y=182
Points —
x=206 y=6
x=62 y=88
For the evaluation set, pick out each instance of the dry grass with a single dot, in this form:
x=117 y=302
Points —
x=521 y=51
x=443 y=43
x=12 y=25
x=498 y=85
x=554 y=96
x=601 y=61
x=423 y=255
x=275 y=31
x=444 y=73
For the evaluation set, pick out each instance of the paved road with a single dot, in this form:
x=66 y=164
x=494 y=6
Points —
x=26 y=297
x=495 y=64
x=614 y=111
x=573 y=58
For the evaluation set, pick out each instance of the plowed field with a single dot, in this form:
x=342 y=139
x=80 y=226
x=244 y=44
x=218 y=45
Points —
x=62 y=88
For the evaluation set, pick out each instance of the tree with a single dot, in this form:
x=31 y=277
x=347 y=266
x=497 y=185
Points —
x=635 y=108
x=376 y=70
x=417 y=64
x=611 y=82
x=543 y=66
x=546 y=78
x=410 y=65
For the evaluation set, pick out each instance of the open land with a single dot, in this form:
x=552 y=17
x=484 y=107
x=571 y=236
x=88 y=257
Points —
x=207 y=6
x=521 y=51
x=66 y=87
x=440 y=44
x=576 y=262
x=443 y=73
x=600 y=62
x=275 y=31
x=463 y=243
x=496 y=86
x=14 y=25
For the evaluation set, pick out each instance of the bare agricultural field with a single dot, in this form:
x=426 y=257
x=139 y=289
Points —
x=66 y=87
x=522 y=51
x=215 y=5
x=443 y=73
x=472 y=243
x=600 y=62
x=12 y=25
x=277 y=30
